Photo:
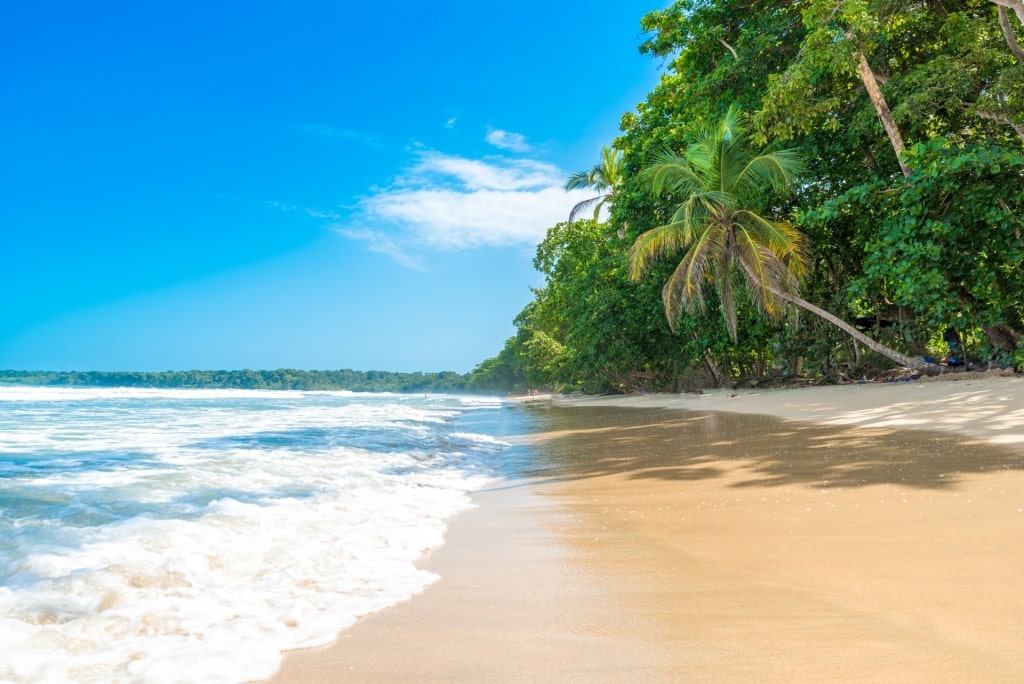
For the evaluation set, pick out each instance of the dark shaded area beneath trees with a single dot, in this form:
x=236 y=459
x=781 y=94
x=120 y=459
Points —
x=587 y=442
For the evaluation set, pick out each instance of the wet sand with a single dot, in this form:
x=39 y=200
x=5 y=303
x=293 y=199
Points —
x=659 y=544
x=514 y=604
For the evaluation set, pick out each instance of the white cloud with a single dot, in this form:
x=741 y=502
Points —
x=505 y=140
x=444 y=218
x=449 y=202
x=475 y=174
x=382 y=243
x=450 y=123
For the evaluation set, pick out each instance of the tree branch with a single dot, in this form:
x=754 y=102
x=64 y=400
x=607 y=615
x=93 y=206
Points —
x=1011 y=40
x=1016 y=5
x=729 y=48
x=999 y=118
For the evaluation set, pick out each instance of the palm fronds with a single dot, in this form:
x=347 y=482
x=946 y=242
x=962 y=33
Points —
x=604 y=178
x=716 y=181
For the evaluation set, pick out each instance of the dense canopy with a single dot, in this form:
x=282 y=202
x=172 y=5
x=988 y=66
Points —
x=907 y=214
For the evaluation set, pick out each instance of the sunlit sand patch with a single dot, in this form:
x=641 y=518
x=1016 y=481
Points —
x=885 y=532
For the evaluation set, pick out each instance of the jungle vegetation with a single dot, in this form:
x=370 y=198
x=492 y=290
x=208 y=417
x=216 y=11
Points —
x=281 y=379
x=892 y=200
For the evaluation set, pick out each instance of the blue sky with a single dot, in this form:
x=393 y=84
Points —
x=307 y=184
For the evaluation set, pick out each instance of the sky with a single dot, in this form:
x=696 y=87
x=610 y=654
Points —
x=313 y=185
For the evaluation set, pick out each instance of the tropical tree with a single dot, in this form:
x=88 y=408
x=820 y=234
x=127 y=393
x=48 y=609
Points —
x=604 y=178
x=940 y=262
x=719 y=181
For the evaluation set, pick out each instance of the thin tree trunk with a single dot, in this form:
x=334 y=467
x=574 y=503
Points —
x=1011 y=39
x=1002 y=336
x=867 y=75
x=939 y=8
x=1016 y=5
x=711 y=366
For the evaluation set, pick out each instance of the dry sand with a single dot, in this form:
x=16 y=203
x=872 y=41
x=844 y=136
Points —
x=865 y=533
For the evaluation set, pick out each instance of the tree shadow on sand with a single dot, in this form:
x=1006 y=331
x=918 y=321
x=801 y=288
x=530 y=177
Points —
x=586 y=442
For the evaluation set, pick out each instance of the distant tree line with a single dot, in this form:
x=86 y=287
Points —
x=281 y=379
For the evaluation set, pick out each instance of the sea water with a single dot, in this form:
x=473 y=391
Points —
x=192 y=535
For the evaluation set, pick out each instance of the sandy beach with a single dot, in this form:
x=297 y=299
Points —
x=851 y=533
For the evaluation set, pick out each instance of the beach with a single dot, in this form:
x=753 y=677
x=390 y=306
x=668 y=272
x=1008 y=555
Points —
x=846 y=533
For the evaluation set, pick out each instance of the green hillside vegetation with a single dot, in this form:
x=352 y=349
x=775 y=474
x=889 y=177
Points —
x=898 y=214
x=283 y=379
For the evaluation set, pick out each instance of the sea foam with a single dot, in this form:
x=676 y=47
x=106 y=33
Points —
x=172 y=536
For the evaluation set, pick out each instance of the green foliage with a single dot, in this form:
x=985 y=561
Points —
x=945 y=246
x=502 y=373
x=906 y=257
x=281 y=379
x=607 y=328
x=720 y=183
x=722 y=54
x=590 y=328
x=943 y=67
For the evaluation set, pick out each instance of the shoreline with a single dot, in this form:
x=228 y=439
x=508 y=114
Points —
x=498 y=613
x=868 y=532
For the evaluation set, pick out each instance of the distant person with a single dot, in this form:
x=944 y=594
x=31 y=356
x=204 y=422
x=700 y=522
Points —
x=955 y=347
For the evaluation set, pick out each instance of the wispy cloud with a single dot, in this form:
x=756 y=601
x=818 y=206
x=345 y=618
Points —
x=382 y=243
x=436 y=169
x=447 y=202
x=504 y=140
x=281 y=206
x=315 y=213
x=321 y=214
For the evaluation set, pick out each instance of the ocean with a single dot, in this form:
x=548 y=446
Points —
x=193 y=535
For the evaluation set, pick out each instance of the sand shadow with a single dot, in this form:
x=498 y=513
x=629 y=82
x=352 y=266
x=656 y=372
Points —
x=666 y=444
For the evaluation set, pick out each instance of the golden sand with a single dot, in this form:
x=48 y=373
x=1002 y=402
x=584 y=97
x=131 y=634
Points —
x=678 y=544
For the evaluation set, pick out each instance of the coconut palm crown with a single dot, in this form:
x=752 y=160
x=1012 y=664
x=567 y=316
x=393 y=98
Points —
x=604 y=178
x=723 y=240
x=717 y=180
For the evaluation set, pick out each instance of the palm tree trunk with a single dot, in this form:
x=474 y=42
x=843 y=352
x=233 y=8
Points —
x=867 y=75
x=891 y=354
x=888 y=353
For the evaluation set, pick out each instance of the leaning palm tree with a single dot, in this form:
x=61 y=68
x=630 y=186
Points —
x=604 y=178
x=725 y=242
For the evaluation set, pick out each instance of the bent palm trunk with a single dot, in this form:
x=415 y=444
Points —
x=891 y=354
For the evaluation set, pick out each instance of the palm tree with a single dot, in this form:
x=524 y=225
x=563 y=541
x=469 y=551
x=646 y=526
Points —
x=604 y=178
x=718 y=179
